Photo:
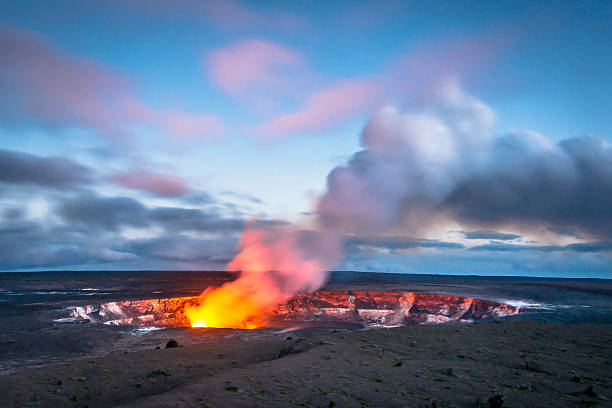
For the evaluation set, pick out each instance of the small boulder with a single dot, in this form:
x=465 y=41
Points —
x=172 y=344
x=496 y=401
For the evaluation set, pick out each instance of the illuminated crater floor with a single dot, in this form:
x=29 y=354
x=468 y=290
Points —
x=337 y=308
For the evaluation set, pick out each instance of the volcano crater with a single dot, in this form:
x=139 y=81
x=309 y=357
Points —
x=324 y=308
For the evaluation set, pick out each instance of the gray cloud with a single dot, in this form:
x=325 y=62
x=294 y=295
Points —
x=25 y=244
x=491 y=263
x=578 y=247
x=486 y=234
x=180 y=248
x=568 y=232
x=13 y=214
x=184 y=219
x=590 y=247
x=83 y=228
x=109 y=213
x=531 y=180
x=242 y=196
x=394 y=243
x=198 y=198
x=52 y=172
x=112 y=213
x=90 y=239
x=29 y=245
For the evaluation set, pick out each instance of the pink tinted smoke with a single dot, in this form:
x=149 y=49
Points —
x=276 y=263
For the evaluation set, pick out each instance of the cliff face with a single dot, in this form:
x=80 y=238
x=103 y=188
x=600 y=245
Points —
x=149 y=312
x=368 y=308
x=389 y=308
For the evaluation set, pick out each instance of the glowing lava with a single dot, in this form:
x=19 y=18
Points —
x=199 y=323
x=224 y=307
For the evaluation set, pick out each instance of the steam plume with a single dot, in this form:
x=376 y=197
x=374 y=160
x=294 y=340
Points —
x=438 y=163
x=275 y=263
x=443 y=162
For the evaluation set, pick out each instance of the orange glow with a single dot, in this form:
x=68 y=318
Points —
x=224 y=307
x=198 y=323
x=274 y=266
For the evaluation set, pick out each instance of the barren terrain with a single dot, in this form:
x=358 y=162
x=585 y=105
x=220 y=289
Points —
x=527 y=363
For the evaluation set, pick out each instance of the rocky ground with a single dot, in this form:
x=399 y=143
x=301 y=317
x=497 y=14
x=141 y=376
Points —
x=510 y=363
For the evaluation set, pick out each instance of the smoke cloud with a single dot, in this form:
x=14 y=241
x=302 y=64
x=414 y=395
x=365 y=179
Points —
x=275 y=262
x=411 y=162
x=444 y=163
x=439 y=163
x=290 y=260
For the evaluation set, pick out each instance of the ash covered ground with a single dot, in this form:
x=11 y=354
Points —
x=556 y=353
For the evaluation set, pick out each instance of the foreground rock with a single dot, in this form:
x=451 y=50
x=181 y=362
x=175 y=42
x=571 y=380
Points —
x=514 y=363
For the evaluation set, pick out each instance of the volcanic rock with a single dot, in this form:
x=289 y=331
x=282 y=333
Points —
x=172 y=344
x=346 y=307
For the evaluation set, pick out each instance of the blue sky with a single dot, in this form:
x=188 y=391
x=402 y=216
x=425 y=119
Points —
x=234 y=111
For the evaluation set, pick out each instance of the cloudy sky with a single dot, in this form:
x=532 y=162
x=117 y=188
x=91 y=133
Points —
x=434 y=137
